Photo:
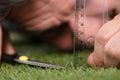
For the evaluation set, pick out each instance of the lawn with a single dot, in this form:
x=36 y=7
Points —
x=46 y=53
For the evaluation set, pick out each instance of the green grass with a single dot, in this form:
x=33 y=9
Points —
x=49 y=54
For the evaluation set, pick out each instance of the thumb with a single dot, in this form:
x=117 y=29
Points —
x=90 y=60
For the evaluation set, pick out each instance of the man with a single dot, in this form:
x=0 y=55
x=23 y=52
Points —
x=52 y=21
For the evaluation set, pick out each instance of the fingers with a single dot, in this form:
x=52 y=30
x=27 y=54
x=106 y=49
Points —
x=107 y=31
x=112 y=51
x=90 y=60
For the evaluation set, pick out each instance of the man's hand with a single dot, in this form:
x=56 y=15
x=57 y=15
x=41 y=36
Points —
x=107 y=45
x=93 y=19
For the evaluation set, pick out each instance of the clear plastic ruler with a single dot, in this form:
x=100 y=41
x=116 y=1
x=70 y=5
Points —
x=79 y=28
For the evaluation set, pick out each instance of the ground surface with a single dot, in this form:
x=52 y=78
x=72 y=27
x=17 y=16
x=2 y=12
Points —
x=49 y=54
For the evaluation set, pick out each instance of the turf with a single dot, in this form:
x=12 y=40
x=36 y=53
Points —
x=46 y=53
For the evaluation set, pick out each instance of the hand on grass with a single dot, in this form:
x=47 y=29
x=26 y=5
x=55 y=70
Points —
x=107 y=45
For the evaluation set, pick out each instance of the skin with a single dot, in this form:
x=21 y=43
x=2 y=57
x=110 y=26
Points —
x=106 y=51
x=46 y=15
x=106 y=47
x=94 y=15
x=41 y=14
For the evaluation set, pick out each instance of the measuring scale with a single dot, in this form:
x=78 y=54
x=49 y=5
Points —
x=81 y=15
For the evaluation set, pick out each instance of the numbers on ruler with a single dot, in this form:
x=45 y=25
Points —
x=80 y=25
x=79 y=29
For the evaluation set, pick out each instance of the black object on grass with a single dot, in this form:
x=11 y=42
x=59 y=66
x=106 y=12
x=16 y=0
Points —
x=13 y=59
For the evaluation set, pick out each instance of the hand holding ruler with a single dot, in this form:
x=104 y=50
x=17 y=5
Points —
x=80 y=25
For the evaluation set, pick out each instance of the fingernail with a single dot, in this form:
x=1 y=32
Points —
x=90 y=41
